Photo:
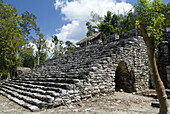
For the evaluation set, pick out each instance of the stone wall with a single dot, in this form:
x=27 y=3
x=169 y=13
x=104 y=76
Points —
x=166 y=34
x=86 y=72
x=111 y=38
x=168 y=76
x=21 y=70
x=98 y=64
x=163 y=56
x=163 y=60
x=131 y=33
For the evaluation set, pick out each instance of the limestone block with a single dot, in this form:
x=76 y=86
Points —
x=64 y=92
x=94 y=68
x=102 y=87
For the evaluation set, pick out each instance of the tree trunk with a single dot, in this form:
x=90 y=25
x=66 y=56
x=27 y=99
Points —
x=160 y=89
x=38 y=61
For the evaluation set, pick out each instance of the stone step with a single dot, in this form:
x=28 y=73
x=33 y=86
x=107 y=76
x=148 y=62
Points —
x=54 y=65
x=156 y=104
x=33 y=101
x=45 y=98
x=58 y=80
x=35 y=90
x=21 y=102
x=37 y=86
x=72 y=78
x=154 y=95
x=71 y=75
x=53 y=91
x=48 y=84
x=168 y=93
x=65 y=67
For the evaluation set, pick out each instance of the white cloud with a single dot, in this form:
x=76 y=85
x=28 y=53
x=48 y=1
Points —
x=50 y=45
x=71 y=31
x=78 y=12
x=59 y=3
x=34 y=47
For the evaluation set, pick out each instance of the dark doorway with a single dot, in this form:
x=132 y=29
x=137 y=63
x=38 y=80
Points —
x=124 y=79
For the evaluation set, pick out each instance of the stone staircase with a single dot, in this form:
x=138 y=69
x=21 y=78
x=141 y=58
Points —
x=38 y=94
x=53 y=83
x=84 y=73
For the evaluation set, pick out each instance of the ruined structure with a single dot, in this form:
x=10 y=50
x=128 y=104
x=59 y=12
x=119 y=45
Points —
x=163 y=58
x=97 y=38
x=21 y=70
x=91 y=70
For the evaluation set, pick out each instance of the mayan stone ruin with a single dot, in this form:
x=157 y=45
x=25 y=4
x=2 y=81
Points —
x=102 y=65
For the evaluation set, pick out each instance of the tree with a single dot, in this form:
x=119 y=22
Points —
x=69 y=47
x=130 y=21
x=151 y=20
x=108 y=17
x=28 y=24
x=11 y=39
x=114 y=20
x=110 y=23
x=41 y=44
x=107 y=28
x=95 y=18
x=100 y=25
x=55 y=41
x=61 y=48
x=122 y=24
x=27 y=56
x=90 y=28
x=165 y=9
x=14 y=34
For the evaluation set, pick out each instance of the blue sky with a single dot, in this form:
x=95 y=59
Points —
x=48 y=19
x=66 y=18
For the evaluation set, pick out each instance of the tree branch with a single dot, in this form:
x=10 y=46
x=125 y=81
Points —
x=144 y=34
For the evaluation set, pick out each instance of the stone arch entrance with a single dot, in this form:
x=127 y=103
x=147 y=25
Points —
x=124 y=79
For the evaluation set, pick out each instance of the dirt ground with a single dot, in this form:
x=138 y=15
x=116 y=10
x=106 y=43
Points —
x=119 y=103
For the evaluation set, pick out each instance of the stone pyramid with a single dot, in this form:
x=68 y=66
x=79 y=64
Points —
x=81 y=74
